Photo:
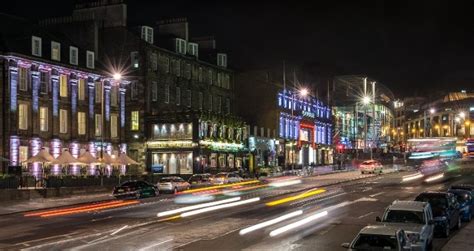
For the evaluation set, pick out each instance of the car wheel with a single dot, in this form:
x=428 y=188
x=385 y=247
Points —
x=458 y=225
x=446 y=230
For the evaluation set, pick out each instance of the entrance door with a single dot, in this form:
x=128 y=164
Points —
x=305 y=155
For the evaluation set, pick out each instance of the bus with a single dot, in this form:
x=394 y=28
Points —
x=470 y=147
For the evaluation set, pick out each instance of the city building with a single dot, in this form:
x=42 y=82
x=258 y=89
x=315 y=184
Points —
x=449 y=115
x=52 y=97
x=180 y=104
x=363 y=110
x=298 y=124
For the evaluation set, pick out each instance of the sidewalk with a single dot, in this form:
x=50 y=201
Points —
x=463 y=240
x=11 y=207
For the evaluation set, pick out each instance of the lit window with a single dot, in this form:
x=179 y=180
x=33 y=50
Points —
x=55 y=51
x=147 y=34
x=193 y=49
x=23 y=79
x=62 y=121
x=81 y=123
x=180 y=46
x=23 y=116
x=134 y=59
x=73 y=51
x=90 y=59
x=36 y=46
x=135 y=121
x=98 y=92
x=98 y=124
x=43 y=119
x=63 y=86
x=113 y=125
x=81 y=87
x=222 y=60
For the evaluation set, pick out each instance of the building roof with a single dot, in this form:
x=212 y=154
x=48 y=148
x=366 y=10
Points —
x=408 y=205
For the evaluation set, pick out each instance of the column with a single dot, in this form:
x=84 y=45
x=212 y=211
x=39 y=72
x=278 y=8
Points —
x=35 y=85
x=55 y=108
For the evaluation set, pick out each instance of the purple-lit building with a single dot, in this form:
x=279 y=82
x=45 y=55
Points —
x=51 y=98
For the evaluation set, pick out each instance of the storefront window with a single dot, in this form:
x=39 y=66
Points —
x=230 y=160
x=173 y=131
x=214 y=160
x=172 y=163
x=222 y=160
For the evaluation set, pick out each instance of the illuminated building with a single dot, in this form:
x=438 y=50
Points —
x=50 y=88
x=359 y=121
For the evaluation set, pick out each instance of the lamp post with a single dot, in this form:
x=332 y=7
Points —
x=302 y=93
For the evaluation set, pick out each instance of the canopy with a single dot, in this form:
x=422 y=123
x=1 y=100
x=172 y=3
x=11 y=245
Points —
x=66 y=159
x=87 y=158
x=107 y=159
x=42 y=157
x=123 y=159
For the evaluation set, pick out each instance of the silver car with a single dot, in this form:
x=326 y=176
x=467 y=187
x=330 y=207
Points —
x=416 y=218
x=380 y=237
x=172 y=184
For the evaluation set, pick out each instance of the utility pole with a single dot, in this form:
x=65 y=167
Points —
x=365 y=115
x=373 y=114
x=292 y=116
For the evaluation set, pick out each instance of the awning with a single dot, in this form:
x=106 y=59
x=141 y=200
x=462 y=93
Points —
x=123 y=159
x=87 y=158
x=66 y=159
x=42 y=157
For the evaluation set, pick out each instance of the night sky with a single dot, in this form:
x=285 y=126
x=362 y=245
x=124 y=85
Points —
x=410 y=47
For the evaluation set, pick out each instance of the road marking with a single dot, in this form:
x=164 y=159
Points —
x=365 y=215
x=327 y=229
x=376 y=194
x=118 y=230
x=154 y=245
x=94 y=220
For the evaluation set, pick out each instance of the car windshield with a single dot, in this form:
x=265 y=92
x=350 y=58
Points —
x=436 y=201
x=367 y=162
x=403 y=216
x=128 y=184
x=196 y=178
x=167 y=179
x=221 y=175
x=376 y=242
x=461 y=196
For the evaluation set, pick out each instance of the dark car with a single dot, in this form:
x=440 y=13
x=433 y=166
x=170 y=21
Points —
x=466 y=203
x=200 y=180
x=135 y=189
x=445 y=209
x=467 y=187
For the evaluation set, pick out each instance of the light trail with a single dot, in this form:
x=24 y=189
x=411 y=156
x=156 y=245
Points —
x=219 y=186
x=296 y=197
x=90 y=206
x=194 y=207
x=214 y=208
x=76 y=211
x=270 y=222
x=434 y=178
x=412 y=177
x=298 y=223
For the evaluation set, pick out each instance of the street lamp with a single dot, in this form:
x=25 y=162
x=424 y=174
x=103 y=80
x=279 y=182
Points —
x=432 y=110
x=303 y=92
x=366 y=100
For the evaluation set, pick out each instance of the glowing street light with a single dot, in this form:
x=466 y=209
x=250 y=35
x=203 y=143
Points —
x=117 y=76
x=462 y=114
x=432 y=110
x=304 y=92
x=366 y=100
x=457 y=119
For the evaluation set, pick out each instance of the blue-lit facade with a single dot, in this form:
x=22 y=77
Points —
x=305 y=126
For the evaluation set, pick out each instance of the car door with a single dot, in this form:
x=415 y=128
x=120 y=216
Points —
x=453 y=210
x=429 y=219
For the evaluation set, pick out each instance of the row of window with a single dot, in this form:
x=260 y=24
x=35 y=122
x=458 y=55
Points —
x=23 y=115
x=218 y=99
x=36 y=50
x=45 y=86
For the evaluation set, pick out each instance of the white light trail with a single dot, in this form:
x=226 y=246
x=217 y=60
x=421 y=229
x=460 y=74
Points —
x=298 y=223
x=189 y=208
x=412 y=177
x=214 y=208
x=436 y=177
x=270 y=222
x=284 y=183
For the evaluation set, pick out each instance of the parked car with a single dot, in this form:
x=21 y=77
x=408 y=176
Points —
x=226 y=178
x=371 y=166
x=135 y=189
x=445 y=209
x=415 y=217
x=199 y=180
x=172 y=184
x=380 y=237
x=466 y=203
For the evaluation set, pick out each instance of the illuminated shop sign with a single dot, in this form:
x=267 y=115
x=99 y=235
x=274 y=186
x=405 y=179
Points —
x=172 y=144
x=222 y=146
x=309 y=114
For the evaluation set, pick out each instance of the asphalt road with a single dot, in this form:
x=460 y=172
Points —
x=350 y=206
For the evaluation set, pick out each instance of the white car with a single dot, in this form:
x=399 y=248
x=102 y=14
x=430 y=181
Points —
x=416 y=218
x=172 y=184
x=380 y=237
x=226 y=178
x=371 y=166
